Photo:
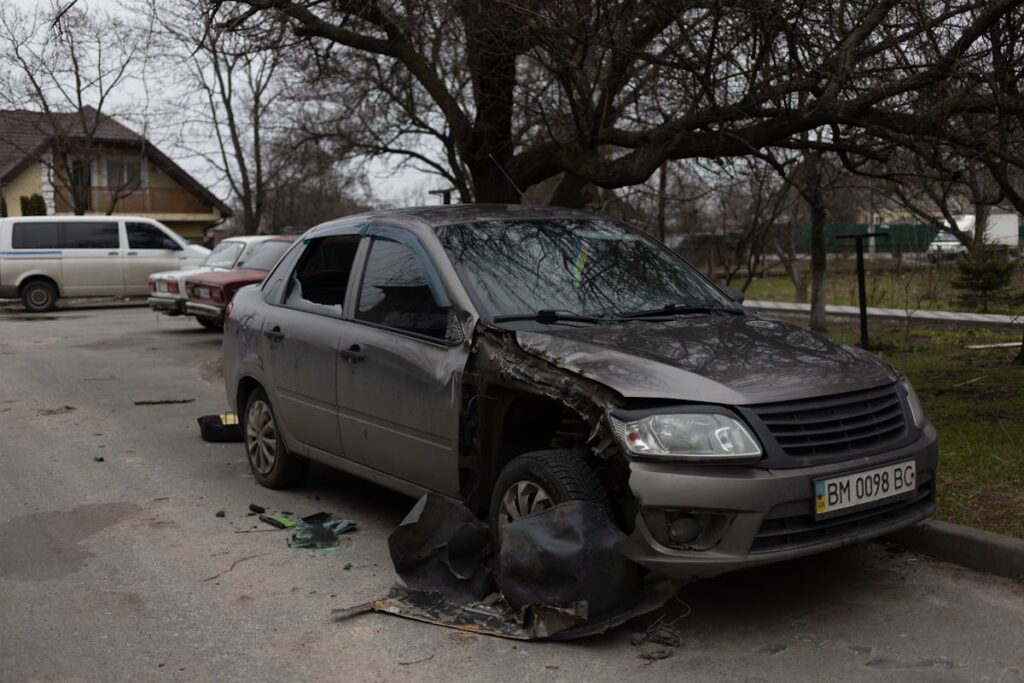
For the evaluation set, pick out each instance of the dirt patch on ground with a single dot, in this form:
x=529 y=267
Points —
x=62 y=410
x=212 y=371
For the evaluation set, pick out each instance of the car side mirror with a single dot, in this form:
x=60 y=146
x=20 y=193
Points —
x=171 y=245
x=733 y=293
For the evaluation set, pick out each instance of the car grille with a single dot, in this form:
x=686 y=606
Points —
x=794 y=531
x=835 y=425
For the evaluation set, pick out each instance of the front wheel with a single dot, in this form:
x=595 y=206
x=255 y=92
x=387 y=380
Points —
x=39 y=296
x=537 y=481
x=271 y=463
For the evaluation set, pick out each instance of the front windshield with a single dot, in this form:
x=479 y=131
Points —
x=591 y=267
x=266 y=254
x=223 y=255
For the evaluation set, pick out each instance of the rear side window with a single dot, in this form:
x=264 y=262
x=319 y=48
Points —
x=320 y=280
x=146 y=236
x=90 y=235
x=36 y=235
x=395 y=292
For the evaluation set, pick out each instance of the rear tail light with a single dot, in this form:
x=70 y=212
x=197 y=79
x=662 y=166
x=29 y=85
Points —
x=172 y=287
x=152 y=286
x=227 y=311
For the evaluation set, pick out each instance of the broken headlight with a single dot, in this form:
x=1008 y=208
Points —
x=688 y=436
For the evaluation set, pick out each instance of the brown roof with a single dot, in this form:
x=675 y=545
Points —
x=25 y=135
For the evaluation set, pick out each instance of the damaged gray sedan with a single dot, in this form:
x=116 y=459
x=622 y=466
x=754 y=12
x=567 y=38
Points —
x=515 y=358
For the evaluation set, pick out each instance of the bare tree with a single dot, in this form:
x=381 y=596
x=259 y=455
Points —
x=61 y=66
x=604 y=93
x=226 y=107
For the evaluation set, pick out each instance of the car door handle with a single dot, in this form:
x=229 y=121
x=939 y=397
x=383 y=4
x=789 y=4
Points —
x=275 y=334
x=113 y=253
x=352 y=354
x=133 y=253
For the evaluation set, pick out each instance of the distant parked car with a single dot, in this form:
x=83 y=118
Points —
x=208 y=294
x=43 y=258
x=167 y=289
x=945 y=246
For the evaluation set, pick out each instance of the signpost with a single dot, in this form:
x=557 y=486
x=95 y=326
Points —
x=862 y=292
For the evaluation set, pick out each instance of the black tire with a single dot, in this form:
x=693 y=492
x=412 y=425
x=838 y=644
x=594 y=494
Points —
x=284 y=469
x=39 y=296
x=211 y=325
x=563 y=475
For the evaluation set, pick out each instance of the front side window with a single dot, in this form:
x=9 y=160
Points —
x=395 y=292
x=223 y=255
x=320 y=280
x=36 y=235
x=146 y=236
x=593 y=267
x=90 y=235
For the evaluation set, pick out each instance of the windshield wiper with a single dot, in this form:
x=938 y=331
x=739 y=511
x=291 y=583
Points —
x=672 y=309
x=548 y=316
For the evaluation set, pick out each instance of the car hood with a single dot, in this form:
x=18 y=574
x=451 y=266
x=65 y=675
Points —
x=236 y=278
x=180 y=275
x=732 y=360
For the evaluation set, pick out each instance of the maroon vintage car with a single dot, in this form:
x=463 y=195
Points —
x=210 y=293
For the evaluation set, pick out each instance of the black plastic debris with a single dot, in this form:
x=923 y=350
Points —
x=441 y=546
x=559 y=574
x=257 y=509
x=564 y=555
x=220 y=428
x=325 y=531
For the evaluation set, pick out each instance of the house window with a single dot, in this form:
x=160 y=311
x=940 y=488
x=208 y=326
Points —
x=124 y=173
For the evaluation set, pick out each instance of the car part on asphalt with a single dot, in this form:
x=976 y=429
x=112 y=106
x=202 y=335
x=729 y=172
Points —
x=221 y=428
x=164 y=401
x=278 y=521
x=325 y=531
x=559 y=574
x=441 y=546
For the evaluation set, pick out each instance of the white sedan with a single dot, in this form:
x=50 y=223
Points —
x=167 y=289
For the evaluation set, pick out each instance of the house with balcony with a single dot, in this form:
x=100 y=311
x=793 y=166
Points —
x=88 y=163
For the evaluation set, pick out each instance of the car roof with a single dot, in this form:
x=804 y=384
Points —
x=453 y=214
x=75 y=219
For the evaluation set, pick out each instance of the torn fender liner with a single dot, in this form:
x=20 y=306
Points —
x=564 y=555
x=318 y=533
x=441 y=546
x=560 y=576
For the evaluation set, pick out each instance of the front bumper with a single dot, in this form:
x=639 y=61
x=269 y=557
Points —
x=207 y=311
x=769 y=513
x=166 y=305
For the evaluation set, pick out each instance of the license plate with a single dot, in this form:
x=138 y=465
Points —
x=161 y=286
x=850 y=490
x=203 y=292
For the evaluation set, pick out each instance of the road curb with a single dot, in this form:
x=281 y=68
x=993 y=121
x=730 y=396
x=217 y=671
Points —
x=963 y=545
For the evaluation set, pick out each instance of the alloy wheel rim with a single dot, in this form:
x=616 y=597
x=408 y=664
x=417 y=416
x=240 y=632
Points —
x=261 y=437
x=523 y=498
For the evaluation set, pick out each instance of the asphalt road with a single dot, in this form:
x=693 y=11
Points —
x=121 y=570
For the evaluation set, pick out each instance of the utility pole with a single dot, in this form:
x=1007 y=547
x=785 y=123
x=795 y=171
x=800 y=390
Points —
x=662 y=184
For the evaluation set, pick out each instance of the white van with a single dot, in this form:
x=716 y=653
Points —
x=43 y=258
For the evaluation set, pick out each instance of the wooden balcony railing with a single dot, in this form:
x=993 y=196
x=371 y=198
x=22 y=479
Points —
x=144 y=200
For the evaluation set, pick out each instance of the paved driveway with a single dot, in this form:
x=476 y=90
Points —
x=121 y=570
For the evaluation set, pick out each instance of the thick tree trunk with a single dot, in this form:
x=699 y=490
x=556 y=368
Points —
x=981 y=214
x=571 y=192
x=819 y=261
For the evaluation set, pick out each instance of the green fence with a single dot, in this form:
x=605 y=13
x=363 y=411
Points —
x=906 y=237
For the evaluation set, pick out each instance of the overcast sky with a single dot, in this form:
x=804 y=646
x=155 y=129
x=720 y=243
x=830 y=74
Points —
x=138 y=102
